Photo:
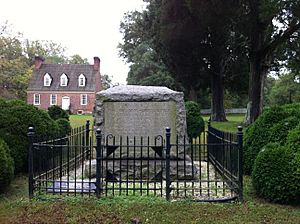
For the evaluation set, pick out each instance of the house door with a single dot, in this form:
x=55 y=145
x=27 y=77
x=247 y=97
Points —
x=65 y=103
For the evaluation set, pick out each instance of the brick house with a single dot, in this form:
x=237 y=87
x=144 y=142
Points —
x=73 y=87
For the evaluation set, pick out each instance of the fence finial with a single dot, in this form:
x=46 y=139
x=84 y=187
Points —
x=98 y=132
x=168 y=130
x=240 y=128
x=30 y=131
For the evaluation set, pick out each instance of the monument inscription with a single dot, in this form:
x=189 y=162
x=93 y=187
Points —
x=139 y=118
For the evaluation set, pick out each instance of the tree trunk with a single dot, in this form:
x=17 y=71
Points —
x=258 y=71
x=193 y=94
x=217 y=98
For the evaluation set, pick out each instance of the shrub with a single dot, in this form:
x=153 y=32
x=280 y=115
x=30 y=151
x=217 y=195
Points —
x=280 y=131
x=274 y=174
x=194 y=120
x=293 y=139
x=271 y=126
x=257 y=135
x=6 y=166
x=15 y=118
x=64 y=126
x=56 y=112
x=295 y=167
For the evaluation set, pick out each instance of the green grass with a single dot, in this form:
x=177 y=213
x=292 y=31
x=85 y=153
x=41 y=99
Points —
x=79 y=120
x=15 y=207
x=234 y=120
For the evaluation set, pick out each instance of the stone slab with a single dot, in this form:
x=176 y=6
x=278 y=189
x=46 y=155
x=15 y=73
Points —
x=140 y=119
x=141 y=102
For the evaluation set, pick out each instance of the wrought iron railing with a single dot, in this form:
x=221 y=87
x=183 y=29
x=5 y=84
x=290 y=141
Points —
x=85 y=162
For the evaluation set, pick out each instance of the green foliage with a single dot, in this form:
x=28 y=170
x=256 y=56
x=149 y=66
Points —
x=6 y=166
x=280 y=131
x=77 y=59
x=286 y=90
x=64 y=126
x=276 y=175
x=272 y=126
x=55 y=112
x=106 y=81
x=293 y=139
x=194 y=120
x=257 y=135
x=15 y=118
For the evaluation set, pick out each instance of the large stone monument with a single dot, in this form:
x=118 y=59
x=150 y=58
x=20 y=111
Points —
x=129 y=110
x=138 y=114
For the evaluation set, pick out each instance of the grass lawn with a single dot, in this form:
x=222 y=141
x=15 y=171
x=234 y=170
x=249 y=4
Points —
x=79 y=120
x=234 y=120
x=15 y=207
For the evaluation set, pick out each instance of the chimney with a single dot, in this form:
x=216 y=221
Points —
x=96 y=63
x=38 y=61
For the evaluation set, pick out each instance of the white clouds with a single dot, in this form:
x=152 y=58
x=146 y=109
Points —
x=89 y=28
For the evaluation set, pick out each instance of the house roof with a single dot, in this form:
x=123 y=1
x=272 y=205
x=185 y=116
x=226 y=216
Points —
x=71 y=70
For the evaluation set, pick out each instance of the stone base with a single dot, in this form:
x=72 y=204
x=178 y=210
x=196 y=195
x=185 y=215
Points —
x=142 y=169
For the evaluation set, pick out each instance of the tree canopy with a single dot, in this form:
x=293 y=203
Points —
x=214 y=44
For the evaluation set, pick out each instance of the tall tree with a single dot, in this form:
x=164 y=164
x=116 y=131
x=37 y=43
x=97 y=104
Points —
x=269 y=24
x=285 y=90
x=13 y=64
x=77 y=59
x=146 y=68
x=200 y=45
x=106 y=81
x=52 y=52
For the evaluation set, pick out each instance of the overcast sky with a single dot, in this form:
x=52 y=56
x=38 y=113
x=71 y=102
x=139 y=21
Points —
x=88 y=28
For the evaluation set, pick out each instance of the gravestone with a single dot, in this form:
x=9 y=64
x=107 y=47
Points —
x=139 y=115
x=129 y=110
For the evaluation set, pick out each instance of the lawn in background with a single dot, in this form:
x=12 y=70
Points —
x=234 y=120
x=80 y=120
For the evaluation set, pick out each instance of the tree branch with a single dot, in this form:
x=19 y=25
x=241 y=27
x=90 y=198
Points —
x=280 y=38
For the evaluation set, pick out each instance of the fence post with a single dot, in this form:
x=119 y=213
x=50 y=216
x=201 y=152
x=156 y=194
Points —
x=240 y=155
x=208 y=138
x=98 y=159
x=168 y=148
x=87 y=139
x=30 y=135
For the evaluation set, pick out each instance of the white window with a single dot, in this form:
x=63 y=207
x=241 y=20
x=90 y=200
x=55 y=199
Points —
x=36 y=99
x=53 y=99
x=63 y=80
x=81 y=80
x=83 y=99
x=47 y=80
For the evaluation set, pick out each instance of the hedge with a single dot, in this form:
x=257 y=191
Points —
x=276 y=174
x=293 y=139
x=55 y=112
x=64 y=126
x=271 y=126
x=15 y=118
x=6 y=166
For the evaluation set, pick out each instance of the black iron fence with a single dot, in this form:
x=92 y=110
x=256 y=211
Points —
x=87 y=163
